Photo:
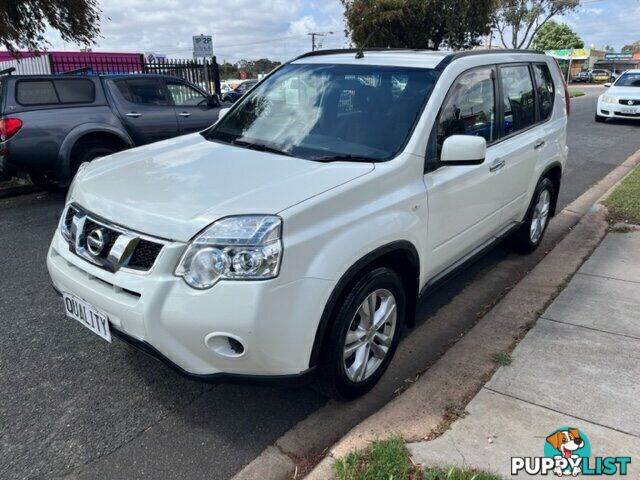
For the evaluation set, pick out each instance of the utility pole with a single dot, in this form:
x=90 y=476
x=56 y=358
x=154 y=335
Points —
x=313 y=36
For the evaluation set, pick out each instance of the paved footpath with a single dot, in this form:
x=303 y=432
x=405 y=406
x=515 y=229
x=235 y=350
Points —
x=578 y=367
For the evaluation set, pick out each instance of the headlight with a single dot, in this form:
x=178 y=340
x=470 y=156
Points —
x=609 y=99
x=247 y=247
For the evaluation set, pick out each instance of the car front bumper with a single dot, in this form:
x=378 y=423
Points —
x=157 y=312
x=616 y=110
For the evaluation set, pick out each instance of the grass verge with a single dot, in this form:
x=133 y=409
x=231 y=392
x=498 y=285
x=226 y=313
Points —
x=575 y=93
x=624 y=202
x=389 y=460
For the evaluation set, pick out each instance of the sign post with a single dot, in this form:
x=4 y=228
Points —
x=203 y=47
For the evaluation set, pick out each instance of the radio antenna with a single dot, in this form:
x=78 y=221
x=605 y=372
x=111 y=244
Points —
x=360 y=52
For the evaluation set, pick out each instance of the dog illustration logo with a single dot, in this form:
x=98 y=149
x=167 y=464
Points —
x=567 y=442
x=567 y=453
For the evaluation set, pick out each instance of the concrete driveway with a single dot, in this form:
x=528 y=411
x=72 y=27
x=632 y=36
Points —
x=74 y=406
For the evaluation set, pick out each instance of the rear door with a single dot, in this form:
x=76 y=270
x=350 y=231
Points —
x=145 y=109
x=191 y=107
x=521 y=137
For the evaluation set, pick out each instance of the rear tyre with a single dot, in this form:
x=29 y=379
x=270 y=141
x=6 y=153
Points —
x=600 y=118
x=363 y=336
x=530 y=234
x=89 y=151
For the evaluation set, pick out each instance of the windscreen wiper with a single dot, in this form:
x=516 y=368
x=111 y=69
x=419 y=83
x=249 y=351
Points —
x=344 y=158
x=261 y=147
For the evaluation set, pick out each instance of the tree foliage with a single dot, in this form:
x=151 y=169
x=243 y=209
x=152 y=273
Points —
x=420 y=24
x=632 y=47
x=555 y=36
x=252 y=67
x=23 y=22
x=518 y=21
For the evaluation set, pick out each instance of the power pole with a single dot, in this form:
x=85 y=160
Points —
x=313 y=36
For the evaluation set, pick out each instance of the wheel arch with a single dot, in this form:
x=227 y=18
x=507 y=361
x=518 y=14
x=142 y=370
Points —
x=85 y=131
x=554 y=173
x=400 y=256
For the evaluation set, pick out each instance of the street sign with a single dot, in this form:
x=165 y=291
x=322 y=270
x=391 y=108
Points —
x=202 y=46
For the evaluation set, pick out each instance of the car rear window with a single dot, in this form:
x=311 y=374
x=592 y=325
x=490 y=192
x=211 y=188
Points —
x=54 y=92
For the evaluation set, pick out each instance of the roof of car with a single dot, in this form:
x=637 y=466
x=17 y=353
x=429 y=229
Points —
x=405 y=57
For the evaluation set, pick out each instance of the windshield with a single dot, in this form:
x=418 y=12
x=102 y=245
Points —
x=329 y=112
x=629 y=80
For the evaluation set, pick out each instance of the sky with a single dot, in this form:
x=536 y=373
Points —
x=278 y=29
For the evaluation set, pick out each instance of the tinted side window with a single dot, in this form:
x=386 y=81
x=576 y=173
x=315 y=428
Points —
x=518 y=99
x=39 y=92
x=544 y=86
x=469 y=108
x=184 y=95
x=75 y=90
x=144 y=91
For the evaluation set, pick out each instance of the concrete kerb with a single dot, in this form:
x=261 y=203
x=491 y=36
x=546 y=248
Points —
x=420 y=411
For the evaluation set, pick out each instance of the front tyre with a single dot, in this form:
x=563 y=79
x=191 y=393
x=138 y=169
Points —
x=364 y=335
x=600 y=118
x=529 y=236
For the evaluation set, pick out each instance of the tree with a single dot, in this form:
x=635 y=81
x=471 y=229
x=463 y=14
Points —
x=23 y=22
x=632 y=47
x=555 y=36
x=523 y=19
x=424 y=24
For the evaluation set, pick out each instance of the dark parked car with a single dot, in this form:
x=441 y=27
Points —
x=583 y=77
x=233 y=95
x=50 y=125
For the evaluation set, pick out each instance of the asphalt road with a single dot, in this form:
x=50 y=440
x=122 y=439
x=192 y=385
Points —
x=73 y=406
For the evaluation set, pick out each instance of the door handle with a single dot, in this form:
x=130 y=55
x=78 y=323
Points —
x=497 y=165
x=539 y=144
x=184 y=114
x=134 y=114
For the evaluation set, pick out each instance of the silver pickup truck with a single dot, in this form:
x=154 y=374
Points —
x=50 y=125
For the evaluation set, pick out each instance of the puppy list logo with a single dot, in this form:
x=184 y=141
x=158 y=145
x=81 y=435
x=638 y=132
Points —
x=567 y=452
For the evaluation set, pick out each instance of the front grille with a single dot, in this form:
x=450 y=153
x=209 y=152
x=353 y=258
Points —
x=626 y=102
x=144 y=256
x=117 y=247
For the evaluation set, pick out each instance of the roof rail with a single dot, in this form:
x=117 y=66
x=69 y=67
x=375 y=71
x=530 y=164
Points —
x=334 y=51
x=470 y=53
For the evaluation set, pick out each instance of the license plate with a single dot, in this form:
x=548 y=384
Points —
x=632 y=111
x=87 y=315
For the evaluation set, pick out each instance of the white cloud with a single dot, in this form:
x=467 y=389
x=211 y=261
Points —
x=240 y=28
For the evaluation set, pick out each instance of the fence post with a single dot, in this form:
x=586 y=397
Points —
x=143 y=63
x=205 y=66
x=216 y=74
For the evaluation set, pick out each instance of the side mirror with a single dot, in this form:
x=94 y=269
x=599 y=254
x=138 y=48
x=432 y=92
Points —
x=608 y=84
x=222 y=112
x=463 y=150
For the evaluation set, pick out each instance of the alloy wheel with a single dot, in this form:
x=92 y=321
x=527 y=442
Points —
x=370 y=335
x=540 y=216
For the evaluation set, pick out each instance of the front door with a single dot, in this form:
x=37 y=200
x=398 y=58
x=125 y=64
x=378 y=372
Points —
x=192 y=107
x=464 y=201
x=144 y=109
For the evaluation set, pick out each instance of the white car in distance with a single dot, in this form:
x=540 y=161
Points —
x=294 y=237
x=622 y=99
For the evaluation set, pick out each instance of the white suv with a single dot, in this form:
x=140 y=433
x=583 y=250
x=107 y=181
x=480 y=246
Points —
x=296 y=235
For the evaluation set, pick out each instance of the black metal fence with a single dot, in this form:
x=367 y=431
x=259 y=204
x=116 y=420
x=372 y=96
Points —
x=204 y=73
